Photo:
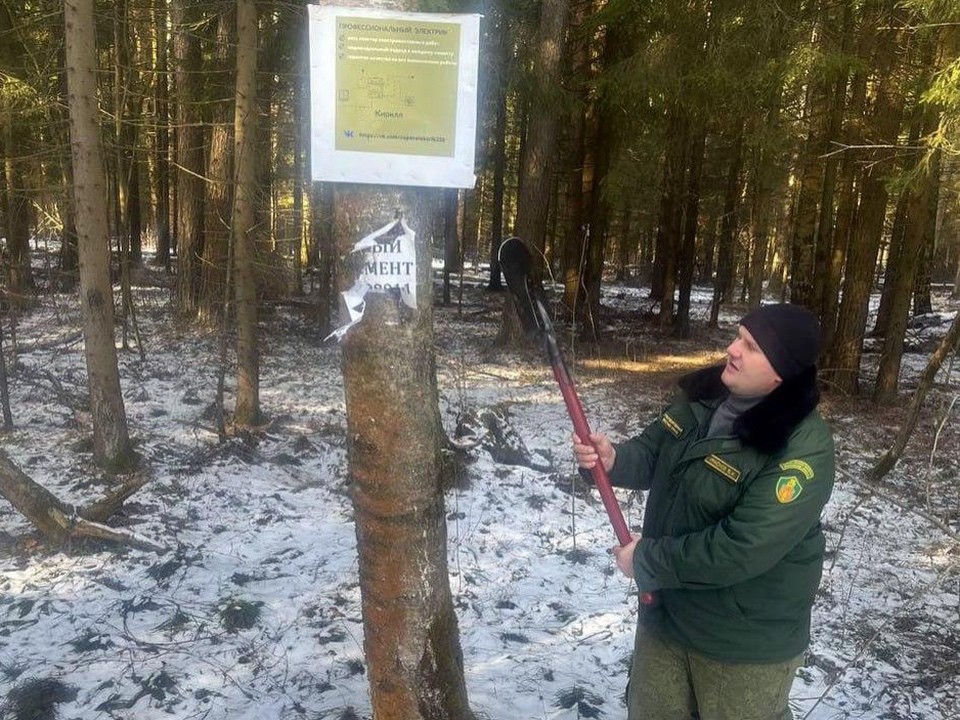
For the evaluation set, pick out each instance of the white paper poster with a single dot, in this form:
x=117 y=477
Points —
x=393 y=96
x=388 y=262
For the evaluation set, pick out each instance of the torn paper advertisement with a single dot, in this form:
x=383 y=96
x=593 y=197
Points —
x=388 y=263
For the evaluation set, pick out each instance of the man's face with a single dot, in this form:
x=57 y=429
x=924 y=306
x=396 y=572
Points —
x=748 y=372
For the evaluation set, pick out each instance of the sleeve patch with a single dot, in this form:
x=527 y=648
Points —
x=672 y=425
x=799 y=466
x=789 y=488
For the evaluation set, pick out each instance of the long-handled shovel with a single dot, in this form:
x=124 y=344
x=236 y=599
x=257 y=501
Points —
x=515 y=263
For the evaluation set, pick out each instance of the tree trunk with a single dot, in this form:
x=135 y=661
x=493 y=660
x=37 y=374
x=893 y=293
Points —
x=688 y=247
x=670 y=218
x=575 y=235
x=845 y=353
x=217 y=204
x=4 y=386
x=411 y=639
x=804 y=239
x=451 y=239
x=892 y=262
x=843 y=365
x=499 y=141
x=726 y=250
x=128 y=108
x=189 y=153
x=758 y=251
x=848 y=187
x=19 y=274
x=626 y=246
x=810 y=249
x=59 y=120
x=899 y=231
x=825 y=287
x=840 y=245
x=606 y=140
x=922 y=302
x=14 y=141
x=111 y=442
x=541 y=135
x=539 y=146
x=322 y=210
x=162 y=147
x=917 y=212
x=247 y=410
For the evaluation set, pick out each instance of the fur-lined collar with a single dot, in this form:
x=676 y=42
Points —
x=767 y=425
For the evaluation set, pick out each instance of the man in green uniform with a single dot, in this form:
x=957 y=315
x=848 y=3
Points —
x=738 y=472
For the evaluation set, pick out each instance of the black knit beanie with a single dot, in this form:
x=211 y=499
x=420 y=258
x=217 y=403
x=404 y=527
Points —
x=789 y=336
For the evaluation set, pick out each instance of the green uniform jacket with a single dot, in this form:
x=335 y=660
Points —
x=732 y=544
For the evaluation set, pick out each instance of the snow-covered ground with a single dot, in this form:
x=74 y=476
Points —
x=254 y=610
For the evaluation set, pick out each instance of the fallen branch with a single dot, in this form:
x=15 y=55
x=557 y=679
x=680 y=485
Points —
x=77 y=527
x=62 y=522
x=104 y=509
x=948 y=344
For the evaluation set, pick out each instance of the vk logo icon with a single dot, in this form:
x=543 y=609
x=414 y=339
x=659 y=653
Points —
x=348 y=133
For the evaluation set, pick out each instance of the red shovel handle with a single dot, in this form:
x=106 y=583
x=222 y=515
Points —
x=600 y=477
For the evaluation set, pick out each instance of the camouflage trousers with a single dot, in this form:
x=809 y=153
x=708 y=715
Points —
x=668 y=682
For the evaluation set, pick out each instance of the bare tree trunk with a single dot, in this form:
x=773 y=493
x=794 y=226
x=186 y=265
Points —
x=606 y=140
x=4 y=387
x=688 y=247
x=499 y=158
x=903 y=279
x=189 y=153
x=670 y=217
x=411 y=640
x=16 y=203
x=111 y=442
x=14 y=142
x=825 y=289
x=843 y=364
x=726 y=261
x=539 y=145
x=625 y=246
x=892 y=261
x=809 y=246
x=247 y=410
x=899 y=230
x=804 y=238
x=766 y=176
x=840 y=244
x=575 y=235
x=451 y=239
x=162 y=147
x=955 y=293
x=321 y=208
x=217 y=204
x=541 y=136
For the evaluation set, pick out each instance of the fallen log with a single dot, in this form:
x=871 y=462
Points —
x=62 y=522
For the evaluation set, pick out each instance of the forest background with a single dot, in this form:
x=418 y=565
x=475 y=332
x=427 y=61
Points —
x=794 y=150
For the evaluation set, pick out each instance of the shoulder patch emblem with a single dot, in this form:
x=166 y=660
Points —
x=718 y=464
x=789 y=488
x=672 y=425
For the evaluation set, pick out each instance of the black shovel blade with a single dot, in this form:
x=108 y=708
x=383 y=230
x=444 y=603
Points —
x=515 y=263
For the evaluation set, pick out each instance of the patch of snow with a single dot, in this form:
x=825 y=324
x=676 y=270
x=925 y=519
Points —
x=265 y=529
